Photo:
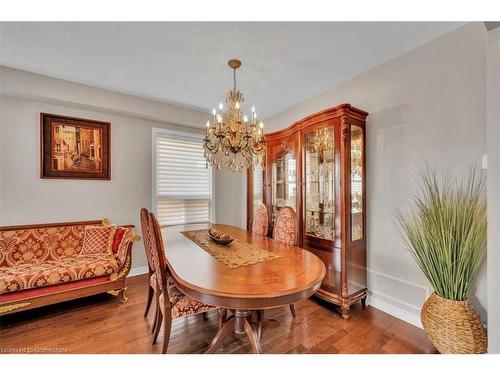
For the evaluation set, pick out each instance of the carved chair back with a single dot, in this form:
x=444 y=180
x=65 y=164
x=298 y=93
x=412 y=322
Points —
x=147 y=238
x=260 y=221
x=158 y=255
x=285 y=226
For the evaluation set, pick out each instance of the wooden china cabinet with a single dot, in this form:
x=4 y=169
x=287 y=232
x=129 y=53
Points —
x=317 y=166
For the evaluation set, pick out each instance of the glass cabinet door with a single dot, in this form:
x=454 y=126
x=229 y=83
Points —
x=284 y=183
x=319 y=183
x=357 y=168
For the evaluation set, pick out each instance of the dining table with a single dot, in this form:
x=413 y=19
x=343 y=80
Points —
x=290 y=274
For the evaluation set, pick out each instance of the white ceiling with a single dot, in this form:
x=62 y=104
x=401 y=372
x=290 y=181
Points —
x=185 y=63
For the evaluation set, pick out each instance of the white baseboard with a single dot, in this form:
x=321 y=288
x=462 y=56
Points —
x=396 y=296
x=138 y=271
x=384 y=304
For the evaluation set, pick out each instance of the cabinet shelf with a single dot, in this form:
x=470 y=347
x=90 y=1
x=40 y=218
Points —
x=320 y=212
x=316 y=235
x=317 y=181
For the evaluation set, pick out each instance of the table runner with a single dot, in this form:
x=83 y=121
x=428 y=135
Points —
x=236 y=254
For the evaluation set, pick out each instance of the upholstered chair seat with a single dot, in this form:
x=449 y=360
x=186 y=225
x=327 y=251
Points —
x=183 y=306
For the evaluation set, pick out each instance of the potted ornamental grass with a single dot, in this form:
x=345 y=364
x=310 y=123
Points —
x=445 y=231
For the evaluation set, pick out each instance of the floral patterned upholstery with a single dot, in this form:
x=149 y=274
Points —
x=41 y=244
x=260 y=221
x=173 y=291
x=184 y=306
x=128 y=237
x=38 y=257
x=152 y=281
x=284 y=228
x=29 y=275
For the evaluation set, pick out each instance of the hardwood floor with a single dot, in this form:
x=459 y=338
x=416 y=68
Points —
x=101 y=324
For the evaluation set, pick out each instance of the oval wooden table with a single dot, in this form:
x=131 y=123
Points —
x=295 y=276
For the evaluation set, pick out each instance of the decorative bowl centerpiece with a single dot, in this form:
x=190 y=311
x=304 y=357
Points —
x=219 y=237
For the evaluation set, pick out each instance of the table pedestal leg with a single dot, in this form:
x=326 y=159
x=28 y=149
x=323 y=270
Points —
x=238 y=323
x=253 y=336
x=226 y=329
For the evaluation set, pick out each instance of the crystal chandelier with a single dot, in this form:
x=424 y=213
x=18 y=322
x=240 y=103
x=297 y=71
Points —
x=232 y=139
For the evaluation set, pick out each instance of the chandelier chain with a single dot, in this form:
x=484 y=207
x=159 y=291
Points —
x=234 y=79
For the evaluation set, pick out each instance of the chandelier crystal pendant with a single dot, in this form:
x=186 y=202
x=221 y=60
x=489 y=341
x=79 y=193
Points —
x=232 y=140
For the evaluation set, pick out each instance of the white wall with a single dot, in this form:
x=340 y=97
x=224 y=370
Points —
x=25 y=198
x=230 y=194
x=493 y=133
x=426 y=105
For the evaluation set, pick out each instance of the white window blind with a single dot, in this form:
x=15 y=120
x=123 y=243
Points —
x=257 y=186
x=182 y=180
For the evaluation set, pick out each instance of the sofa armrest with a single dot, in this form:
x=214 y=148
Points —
x=125 y=266
x=128 y=238
x=124 y=254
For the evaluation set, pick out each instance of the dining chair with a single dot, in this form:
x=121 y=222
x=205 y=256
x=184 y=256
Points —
x=148 y=239
x=284 y=232
x=260 y=221
x=172 y=302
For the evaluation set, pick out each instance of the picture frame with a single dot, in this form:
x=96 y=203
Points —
x=74 y=148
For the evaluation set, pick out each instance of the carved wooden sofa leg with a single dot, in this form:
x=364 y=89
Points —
x=8 y=308
x=120 y=293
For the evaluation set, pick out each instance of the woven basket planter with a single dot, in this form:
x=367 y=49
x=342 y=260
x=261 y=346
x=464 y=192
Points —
x=454 y=327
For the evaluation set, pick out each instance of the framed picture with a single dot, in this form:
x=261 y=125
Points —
x=74 y=148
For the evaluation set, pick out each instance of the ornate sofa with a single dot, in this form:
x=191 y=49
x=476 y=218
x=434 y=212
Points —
x=42 y=264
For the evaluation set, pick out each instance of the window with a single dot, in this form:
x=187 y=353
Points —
x=181 y=180
x=257 y=187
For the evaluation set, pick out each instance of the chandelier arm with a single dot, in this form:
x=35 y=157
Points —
x=212 y=147
x=257 y=151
